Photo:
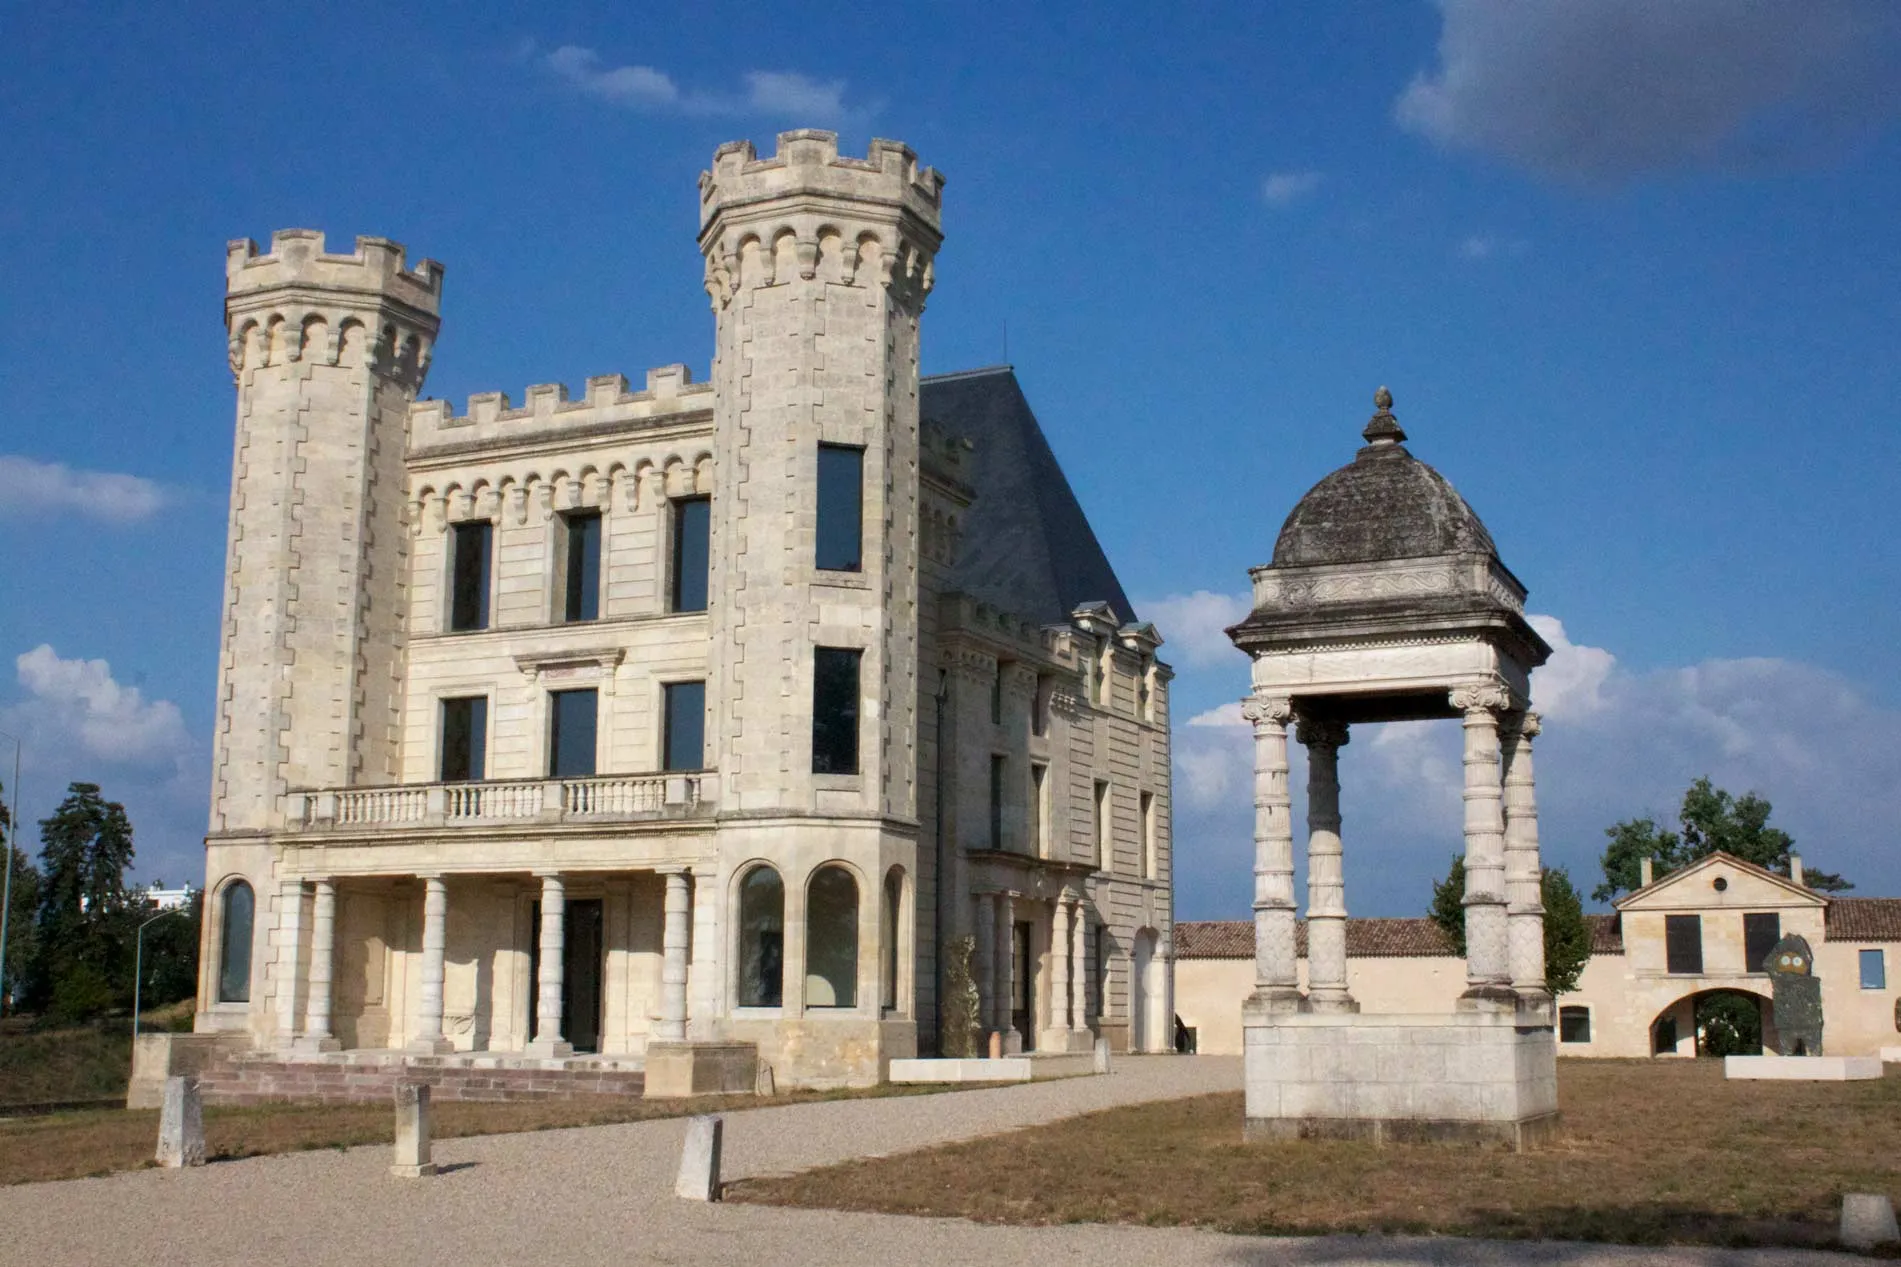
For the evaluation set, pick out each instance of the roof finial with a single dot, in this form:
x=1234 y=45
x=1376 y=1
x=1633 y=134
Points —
x=1382 y=431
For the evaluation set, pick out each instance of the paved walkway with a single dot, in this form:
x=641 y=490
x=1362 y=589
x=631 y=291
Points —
x=604 y=1195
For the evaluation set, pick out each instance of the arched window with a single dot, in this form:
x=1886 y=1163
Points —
x=893 y=911
x=234 y=943
x=761 y=938
x=831 y=939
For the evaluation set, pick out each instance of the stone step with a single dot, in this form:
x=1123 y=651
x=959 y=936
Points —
x=254 y=1079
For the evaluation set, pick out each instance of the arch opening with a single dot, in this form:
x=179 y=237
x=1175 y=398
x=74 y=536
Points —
x=236 y=919
x=831 y=939
x=761 y=938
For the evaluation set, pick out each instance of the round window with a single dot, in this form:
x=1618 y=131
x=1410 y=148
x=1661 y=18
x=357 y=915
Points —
x=1719 y=884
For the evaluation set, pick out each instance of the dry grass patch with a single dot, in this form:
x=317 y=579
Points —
x=1650 y=1152
x=77 y=1145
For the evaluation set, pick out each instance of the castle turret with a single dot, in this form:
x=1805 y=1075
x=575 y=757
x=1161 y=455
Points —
x=818 y=266
x=327 y=351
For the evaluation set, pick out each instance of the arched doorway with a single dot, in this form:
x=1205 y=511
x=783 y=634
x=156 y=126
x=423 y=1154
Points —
x=1715 y=1023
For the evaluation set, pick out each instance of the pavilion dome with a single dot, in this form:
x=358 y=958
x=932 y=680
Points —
x=1385 y=504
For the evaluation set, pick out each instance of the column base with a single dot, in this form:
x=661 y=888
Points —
x=1488 y=998
x=1318 y=1001
x=311 y=1044
x=1274 y=999
x=1065 y=1039
x=438 y=1046
x=1012 y=1042
x=549 y=1049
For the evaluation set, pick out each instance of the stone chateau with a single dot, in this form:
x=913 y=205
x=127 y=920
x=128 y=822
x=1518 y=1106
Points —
x=668 y=728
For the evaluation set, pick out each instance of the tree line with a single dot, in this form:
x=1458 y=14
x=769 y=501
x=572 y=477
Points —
x=73 y=925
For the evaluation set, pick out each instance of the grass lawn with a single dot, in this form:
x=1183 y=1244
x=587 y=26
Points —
x=1649 y=1151
x=75 y=1145
x=39 y=1066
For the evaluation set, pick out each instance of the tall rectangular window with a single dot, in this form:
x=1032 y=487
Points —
x=1761 y=932
x=581 y=565
x=999 y=770
x=1039 y=810
x=464 y=739
x=1147 y=815
x=1105 y=852
x=685 y=738
x=841 y=508
x=835 y=710
x=469 y=546
x=1874 y=970
x=692 y=552
x=1040 y=706
x=1683 y=943
x=571 y=734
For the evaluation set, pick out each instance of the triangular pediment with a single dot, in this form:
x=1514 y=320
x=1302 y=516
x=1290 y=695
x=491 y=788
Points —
x=1694 y=887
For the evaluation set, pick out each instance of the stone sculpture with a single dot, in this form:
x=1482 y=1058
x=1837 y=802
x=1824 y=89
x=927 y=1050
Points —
x=1798 y=997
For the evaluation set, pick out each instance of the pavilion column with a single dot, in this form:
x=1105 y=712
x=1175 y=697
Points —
x=1060 y=973
x=554 y=927
x=435 y=943
x=1524 y=871
x=1276 y=983
x=323 y=941
x=1326 y=879
x=1079 y=970
x=1488 y=974
x=985 y=968
x=290 y=953
x=673 y=965
x=1006 y=970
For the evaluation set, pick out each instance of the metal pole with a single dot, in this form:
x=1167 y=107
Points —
x=6 y=885
x=138 y=967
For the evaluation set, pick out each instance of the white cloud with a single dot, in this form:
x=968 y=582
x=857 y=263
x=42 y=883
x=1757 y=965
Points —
x=784 y=94
x=77 y=702
x=1606 y=90
x=1282 y=189
x=1195 y=627
x=1483 y=246
x=28 y=487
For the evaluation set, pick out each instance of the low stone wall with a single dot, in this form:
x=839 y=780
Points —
x=267 y=1079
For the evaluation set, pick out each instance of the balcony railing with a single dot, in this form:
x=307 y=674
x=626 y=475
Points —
x=603 y=798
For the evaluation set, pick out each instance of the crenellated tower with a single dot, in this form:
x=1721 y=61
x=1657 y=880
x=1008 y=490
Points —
x=327 y=352
x=818 y=267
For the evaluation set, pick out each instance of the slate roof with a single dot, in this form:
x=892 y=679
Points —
x=1027 y=547
x=1366 y=938
x=1385 y=504
x=1862 y=919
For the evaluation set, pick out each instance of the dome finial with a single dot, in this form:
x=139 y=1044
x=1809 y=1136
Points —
x=1382 y=431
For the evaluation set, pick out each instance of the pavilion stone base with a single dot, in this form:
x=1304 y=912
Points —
x=1464 y=1078
x=1773 y=1068
x=686 y=1069
x=371 y=1077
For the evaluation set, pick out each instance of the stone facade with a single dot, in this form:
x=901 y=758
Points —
x=1008 y=769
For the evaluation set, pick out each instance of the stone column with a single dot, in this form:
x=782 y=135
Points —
x=1488 y=973
x=1326 y=881
x=1060 y=974
x=1079 y=971
x=290 y=953
x=1524 y=871
x=673 y=948
x=554 y=928
x=429 y=1037
x=1006 y=971
x=984 y=968
x=1276 y=983
x=323 y=940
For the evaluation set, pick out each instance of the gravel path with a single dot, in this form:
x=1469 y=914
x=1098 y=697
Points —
x=603 y=1194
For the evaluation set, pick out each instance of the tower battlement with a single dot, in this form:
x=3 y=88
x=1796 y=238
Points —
x=808 y=163
x=297 y=260
x=671 y=398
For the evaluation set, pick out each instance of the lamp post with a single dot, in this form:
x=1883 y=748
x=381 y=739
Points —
x=6 y=864
x=138 y=965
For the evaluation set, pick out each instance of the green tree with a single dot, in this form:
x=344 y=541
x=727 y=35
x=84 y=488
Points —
x=1710 y=819
x=170 y=964
x=1728 y=1024
x=1567 y=934
x=84 y=940
x=22 y=935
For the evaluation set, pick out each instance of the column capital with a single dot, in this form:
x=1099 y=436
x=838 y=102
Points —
x=681 y=869
x=547 y=874
x=1267 y=710
x=1525 y=725
x=1481 y=697
x=1316 y=732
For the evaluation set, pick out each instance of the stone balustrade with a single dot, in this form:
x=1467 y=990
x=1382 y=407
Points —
x=601 y=798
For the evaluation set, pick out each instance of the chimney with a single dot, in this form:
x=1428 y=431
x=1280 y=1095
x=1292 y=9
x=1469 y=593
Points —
x=1795 y=868
x=1645 y=872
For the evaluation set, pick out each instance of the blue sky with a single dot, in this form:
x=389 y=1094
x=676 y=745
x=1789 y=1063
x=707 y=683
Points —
x=1630 y=271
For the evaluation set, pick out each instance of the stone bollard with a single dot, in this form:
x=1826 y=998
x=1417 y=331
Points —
x=699 y=1160
x=181 y=1124
x=412 y=1132
x=1102 y=1055
x=1868 y=1221
x=996 y=1044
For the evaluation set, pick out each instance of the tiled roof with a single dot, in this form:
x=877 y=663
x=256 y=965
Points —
x=1863 y=919
x=1366 y=938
